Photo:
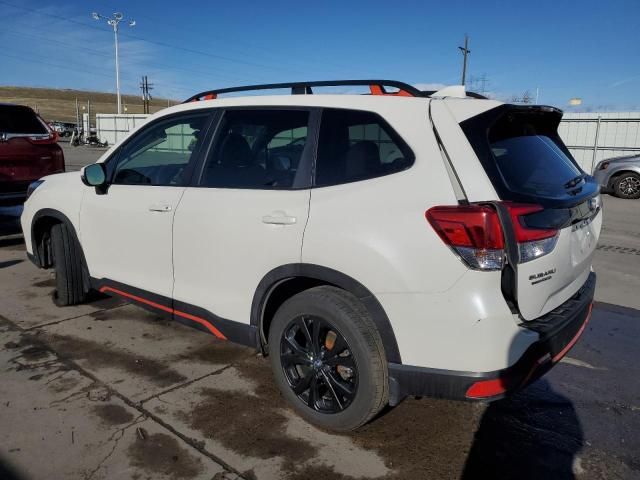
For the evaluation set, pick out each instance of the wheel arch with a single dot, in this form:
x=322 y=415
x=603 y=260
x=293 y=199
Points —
x=285 y=281
x=613 y=176
x=41 y=224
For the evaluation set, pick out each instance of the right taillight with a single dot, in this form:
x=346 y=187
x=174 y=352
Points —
x=532 y=242
x=472 y=231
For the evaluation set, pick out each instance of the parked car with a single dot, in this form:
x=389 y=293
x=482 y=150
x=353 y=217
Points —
x=62 y=129
x=28 y=151
x=426 y=243
x=620 y=176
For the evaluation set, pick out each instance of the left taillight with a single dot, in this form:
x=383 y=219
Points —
x=473 y=232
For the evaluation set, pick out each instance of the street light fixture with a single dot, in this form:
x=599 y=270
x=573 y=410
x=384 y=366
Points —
x=114 y=20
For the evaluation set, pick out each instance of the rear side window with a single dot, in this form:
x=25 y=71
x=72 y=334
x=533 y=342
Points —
x=17 y=119
x=259 y=149
x=356 y=145
x=530 y=159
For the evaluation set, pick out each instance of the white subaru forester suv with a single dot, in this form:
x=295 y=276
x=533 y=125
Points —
x=374 y=246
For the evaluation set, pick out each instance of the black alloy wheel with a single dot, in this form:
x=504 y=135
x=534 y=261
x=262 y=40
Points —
x=318 y=364
x=328 y=359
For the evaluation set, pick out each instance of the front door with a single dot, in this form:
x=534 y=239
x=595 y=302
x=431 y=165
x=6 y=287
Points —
x=126 y=231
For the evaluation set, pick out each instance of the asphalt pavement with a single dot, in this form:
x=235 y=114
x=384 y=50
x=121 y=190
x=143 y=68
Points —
x=106 y=390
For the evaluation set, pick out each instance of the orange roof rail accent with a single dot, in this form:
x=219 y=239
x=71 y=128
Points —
x=379 y=90
x=376 y=86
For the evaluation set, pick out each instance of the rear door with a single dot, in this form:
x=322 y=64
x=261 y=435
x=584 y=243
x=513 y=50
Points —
x=244 y=214
x=553 y=205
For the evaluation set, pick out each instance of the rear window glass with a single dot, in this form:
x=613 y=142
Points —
x=17 y=119
x=531 y=159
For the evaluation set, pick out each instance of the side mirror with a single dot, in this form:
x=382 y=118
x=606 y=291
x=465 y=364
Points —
x=94 y=175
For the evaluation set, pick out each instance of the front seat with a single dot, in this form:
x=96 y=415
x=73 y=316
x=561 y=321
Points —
x=235 y=167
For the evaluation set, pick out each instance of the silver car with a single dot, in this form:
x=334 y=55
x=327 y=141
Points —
x=620 y=176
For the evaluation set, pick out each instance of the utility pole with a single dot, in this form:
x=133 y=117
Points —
x=114 y=20
x=145 y=86
x=87 y=134
x=465 y=51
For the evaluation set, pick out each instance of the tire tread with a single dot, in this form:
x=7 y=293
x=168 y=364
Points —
x=68 y=265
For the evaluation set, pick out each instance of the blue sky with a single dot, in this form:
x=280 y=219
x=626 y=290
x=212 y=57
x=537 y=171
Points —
x=583 y=49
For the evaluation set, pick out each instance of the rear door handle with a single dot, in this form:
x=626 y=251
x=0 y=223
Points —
x=160 y=208
x=279 y=218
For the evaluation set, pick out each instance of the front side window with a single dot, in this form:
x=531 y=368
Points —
x=159 y=155
x=356 y=145
x=258 y=149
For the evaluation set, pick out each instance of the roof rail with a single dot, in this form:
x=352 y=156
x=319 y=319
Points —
x=428 y=93
x=376 y=87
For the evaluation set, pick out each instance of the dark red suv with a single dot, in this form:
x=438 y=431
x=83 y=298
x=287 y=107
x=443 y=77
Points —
x=28 y=151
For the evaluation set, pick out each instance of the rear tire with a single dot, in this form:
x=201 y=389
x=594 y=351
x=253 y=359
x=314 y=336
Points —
x=67 y=262
x=349 y=358
x=627 y=185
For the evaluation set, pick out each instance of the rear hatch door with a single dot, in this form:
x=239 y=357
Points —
x=553 y=205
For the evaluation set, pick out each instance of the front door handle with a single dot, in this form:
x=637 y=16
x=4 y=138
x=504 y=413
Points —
x=279 y=218
x=160 y=208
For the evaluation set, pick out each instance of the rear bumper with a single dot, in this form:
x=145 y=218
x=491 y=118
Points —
x=558 y=331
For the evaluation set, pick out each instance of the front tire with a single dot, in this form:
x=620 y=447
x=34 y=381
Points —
x=67 y=262
x=627 y=185
x=328 y=359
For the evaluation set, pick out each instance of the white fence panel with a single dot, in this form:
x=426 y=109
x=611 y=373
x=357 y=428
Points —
x=113 y=127
x=592 y=137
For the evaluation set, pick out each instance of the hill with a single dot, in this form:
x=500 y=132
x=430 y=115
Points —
x=60 y=104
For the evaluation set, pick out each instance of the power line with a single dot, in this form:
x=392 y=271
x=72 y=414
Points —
x=247 y=45
x=79 y=69
x=164 y=66
x=154 y=42
x=54 y=65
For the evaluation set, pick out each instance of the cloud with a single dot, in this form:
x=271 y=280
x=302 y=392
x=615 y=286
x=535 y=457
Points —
x=47 y=51
x=624 y=81
x=430 y=86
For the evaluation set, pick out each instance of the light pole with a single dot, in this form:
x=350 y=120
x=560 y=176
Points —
x=114 y=20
